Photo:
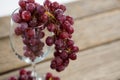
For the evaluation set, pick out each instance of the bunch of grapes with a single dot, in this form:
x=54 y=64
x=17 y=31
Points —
x=23 y=75
x=33 y=18
x=50 y=76
x=27 y=75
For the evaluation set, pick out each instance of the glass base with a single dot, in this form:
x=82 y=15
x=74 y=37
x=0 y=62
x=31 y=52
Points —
x=37 y=77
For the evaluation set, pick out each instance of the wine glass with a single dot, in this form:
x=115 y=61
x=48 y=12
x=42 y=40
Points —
x=18 y=49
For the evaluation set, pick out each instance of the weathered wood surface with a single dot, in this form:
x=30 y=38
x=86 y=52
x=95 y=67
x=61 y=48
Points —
x=78 y=9
x=84 y=8
x=8 y=59
x=89 y=32
x=100 y=63
x=97 y=30
x=97 y=33
x=4 y=26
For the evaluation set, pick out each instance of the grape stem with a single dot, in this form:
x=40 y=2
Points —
x=49 y=14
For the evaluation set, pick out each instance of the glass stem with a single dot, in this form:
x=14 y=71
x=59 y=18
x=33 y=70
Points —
x=34 y=69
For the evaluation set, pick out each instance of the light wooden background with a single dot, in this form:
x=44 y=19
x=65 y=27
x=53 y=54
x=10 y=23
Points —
x=97 y=33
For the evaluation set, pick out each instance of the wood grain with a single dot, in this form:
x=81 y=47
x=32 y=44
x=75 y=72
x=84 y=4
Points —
x=89 y=32
x=8 y=59
x=98 y=29
x=100 y=63
x=82 y=8
x=4 y=26
x=78 y=9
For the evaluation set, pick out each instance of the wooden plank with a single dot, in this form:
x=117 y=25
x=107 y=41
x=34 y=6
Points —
x=98 y=29
x=4 y=26
x=8 y=59
x=85 y=8
x=89 y=32
x=100 y=63
x=82 y=8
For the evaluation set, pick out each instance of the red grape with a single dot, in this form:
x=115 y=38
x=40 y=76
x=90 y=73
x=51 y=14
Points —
x=74 y=48
x=18 y=31
x=41 y=34
x=16 y=18
x=31 y=1
x=57 y=54
x=64 y=55
x=62 y=7
x=58 y=61
x=25 y=41
x=54 y=6
x=66 y=62
x=34 y=42
x=44 y=18
x=61 y=18
x=70 y=30
x=33 y=22
x=30 y=33
x=73 y=56
x=12 y=78
x=60 y=68
x=22 y=72
x=59 y=43
x=26 y=15
x=59 y=12
x=64 y=35
x=70 y=42
x=66 y=24
x=53 y=64
x=23 y=26
x=40 y=9
x=51 y=27
x=50 y=41
x=70 y=19
x=56 y=78
x=47 y=3
x=48 y=76
x=22 y=3
x=30 y=7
